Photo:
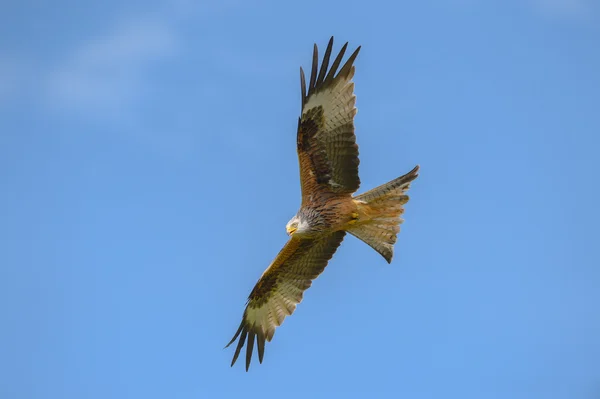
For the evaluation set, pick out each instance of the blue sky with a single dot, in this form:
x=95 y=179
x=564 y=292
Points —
x=148 y=168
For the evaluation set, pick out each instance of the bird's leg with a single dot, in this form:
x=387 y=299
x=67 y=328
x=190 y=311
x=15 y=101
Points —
x=354 y=218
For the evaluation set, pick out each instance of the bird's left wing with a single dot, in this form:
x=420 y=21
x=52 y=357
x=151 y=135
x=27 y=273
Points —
x=280 y=289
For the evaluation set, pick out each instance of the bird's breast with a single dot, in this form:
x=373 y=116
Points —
x=330 y=215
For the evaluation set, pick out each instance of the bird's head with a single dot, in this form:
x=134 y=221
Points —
x=292 y=226
x=297 y=225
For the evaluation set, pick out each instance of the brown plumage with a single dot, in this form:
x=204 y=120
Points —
x=328 y=158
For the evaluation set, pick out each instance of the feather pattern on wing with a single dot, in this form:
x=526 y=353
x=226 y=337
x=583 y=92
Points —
x=281 y=288
x=326 y=143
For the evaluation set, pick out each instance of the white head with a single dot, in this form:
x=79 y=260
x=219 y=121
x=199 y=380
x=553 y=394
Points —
x=296 y=225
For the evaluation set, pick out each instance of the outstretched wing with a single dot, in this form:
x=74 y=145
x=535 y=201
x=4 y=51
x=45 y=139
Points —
x=280 y=289
x=327 y=150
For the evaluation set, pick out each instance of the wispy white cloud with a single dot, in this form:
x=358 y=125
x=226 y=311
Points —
x=111 y=70
x=106 y=73
x=109 y=76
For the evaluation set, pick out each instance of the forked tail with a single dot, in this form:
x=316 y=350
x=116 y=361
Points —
x=380 y=211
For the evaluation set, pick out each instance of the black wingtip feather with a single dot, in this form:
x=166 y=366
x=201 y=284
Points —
x=249 y=349
x=239 y=330
x=325 y=63
x=348 y=65
x=260 y=341
x=322 y=77
x=313 y=73
x=336 y=63
x=302 y=87
x=242 y=333
x=239 y=346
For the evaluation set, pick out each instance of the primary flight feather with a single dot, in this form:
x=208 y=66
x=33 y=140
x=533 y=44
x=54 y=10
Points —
x=328 y=158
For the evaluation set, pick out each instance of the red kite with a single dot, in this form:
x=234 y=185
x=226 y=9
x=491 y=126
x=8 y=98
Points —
x=328 y=157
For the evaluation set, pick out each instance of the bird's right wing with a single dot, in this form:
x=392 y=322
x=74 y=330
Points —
x=326 y=144
x=280 y=289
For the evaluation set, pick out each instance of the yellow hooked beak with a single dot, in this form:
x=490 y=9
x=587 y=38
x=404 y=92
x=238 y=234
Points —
x=291 y=230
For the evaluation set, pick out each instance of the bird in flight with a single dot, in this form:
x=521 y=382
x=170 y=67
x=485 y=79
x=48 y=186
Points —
x=328 y=158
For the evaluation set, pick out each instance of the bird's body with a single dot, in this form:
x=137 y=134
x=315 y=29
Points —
x=328 y=158
x=326 y=215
